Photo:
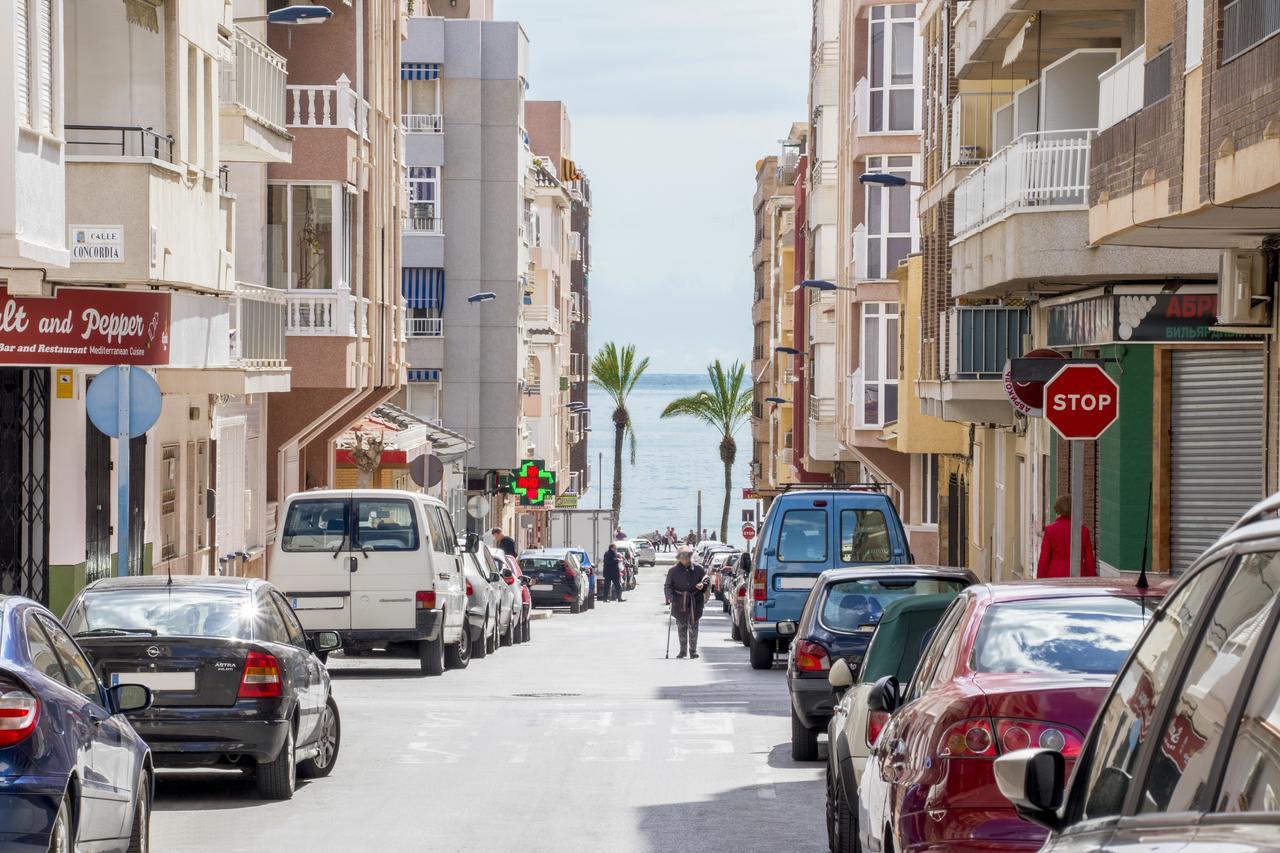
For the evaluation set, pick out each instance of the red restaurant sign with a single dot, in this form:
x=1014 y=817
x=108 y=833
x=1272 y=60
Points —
x=89 y=326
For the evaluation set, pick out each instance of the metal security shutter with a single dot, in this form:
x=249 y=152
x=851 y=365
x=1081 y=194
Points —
x=46 y=65
x=22 y=63
x=1216 y=452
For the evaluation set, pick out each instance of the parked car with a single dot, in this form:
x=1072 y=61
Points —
x=512 y=607
x=805 y=533
x=627 y=553
x=1009 y=666
x=594 y=582
x=645 y=555
x=236 y=680
x=1184 y=754
x=715 y=566
x=555 y=579
x=739 y=605
x=73 y=771
x=483 y=600
x=381 y=567
x=836 y=624
x=904 y=630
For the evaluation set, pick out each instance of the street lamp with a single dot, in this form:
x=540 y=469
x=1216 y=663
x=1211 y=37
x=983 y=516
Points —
x=884 y=179
x=774 y=400
x=484 y=296
x=292 y=16
x=787 y=351
x=823 y=286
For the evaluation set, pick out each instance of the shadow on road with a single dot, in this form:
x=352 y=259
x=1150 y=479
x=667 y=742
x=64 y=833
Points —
x=764 y=814
x=208 y=790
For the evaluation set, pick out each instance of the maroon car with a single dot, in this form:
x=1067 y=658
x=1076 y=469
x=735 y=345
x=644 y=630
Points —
x=1009 y=666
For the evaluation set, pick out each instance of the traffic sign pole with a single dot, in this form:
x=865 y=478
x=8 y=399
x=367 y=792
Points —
x=122 y=474
x=1077 y=503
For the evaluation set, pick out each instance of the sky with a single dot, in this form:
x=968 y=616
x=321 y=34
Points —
x=672 y=103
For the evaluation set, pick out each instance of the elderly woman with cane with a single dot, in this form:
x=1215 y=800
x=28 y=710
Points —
x=685 y=590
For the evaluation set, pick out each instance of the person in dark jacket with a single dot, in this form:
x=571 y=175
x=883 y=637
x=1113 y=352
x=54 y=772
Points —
x=506 y=543
x=612 y=574
x=686 y=592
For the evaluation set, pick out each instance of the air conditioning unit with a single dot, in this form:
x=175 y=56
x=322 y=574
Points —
x=1243 y=293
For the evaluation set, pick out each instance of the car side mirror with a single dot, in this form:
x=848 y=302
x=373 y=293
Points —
x=473 y=543
x=507 y=573
x=1033 y=779
x=129 y=698
x=787 y=628
x=841 y=676
x=885 y=695
x=326 y=641
x=494 y=577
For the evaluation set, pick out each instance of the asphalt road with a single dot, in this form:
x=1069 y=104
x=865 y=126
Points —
x=585 y=739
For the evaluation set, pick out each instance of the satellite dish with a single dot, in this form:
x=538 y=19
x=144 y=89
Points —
x=477 y=506
x=426 y=471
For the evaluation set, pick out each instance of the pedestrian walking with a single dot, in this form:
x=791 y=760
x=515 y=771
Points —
x=686 y=594
x=612 y=574
x=1055 y=548
x=505 y=542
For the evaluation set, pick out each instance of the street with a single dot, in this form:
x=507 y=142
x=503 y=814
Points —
x=583 y=739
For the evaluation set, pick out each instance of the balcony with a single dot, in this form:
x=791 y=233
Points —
x=422 y=218
x=258 y=327
x=822 y=409
x=980 y=340
x=423 y=327
x=1121 y=88
x=973 y=136
x=331 y=313
x=251 y=122
x=327 y=106
x=422 y=123
x=538 y=318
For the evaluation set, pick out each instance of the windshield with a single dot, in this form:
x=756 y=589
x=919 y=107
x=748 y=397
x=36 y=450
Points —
x=854 y=603
x=542 y=564
x=166 y=612
x=1081 y=635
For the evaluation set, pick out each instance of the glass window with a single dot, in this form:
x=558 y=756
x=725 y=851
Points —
x=424 y=198
x=864 y=536
x=41 y=651
x=165 y=612
x=891 y=68
x=878 y=404
x=297 y=636
x=315 y=525
x=802 y=536
x=440 y=541
x=311 y=237
x=1085 y=635
x=850 y=605
x=268 y=624
x=1125 y=718
x=944 y=635
x=1251 y=782
x=891 y=225
x=384 y=525
x=1181 y=766
x=77 y=667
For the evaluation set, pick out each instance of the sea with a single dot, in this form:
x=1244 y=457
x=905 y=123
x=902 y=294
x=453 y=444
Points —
x=676 y=458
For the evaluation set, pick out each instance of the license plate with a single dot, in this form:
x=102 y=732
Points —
x=543 y=587
x=785 y=582
x=318 y=603
x=167 y=682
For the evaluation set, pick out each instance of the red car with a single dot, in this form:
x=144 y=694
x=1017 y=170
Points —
x=1009 y=666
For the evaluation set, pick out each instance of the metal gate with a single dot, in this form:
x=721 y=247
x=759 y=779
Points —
x=1216 y=455
x=97 y=509
x=24 y=482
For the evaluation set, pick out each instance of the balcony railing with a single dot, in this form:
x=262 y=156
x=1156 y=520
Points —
x=982 y=339
x=542 y=315
x=320 y=312
x=423 y=123
x=255 y=79
x=971 y=132
x=107 y=140
x=334 y=105
x=1120 y=89
x=421 y=218
x=824 y=172
x=257 y=327
x=1246 y=23
x=822 y=409
x=1048 y=169
x=424 y=327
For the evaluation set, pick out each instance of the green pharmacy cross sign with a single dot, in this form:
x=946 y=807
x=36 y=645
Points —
x=533 y=483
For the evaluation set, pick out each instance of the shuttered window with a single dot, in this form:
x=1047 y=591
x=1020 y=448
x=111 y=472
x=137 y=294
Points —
x=22 y=63
x=46 y=64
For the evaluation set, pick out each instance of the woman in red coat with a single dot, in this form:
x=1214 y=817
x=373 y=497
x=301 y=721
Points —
x=1055 y=549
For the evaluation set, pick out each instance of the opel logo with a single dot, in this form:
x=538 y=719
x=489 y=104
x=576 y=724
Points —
x=153 y=651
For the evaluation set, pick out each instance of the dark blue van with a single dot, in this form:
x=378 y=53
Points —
x=805 y=533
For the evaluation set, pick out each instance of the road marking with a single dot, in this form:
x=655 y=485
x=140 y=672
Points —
x=705 y=746
x=433 y=755
x=702 y=723
x=764 y=773
x=629 y=750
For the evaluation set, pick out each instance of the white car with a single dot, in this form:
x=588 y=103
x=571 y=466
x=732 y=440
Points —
x=645 y=555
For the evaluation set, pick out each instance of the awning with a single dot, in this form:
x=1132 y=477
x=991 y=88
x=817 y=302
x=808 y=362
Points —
x=419 y=70
x=418 y=374
x=423 y=287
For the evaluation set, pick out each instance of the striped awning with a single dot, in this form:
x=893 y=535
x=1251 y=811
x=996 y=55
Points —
x=419 y=70
x=423 y=287
x=419 y=374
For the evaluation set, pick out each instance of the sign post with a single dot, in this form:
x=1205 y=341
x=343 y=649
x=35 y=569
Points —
x=1081 y=402
x=748 y=531
x=123 y=403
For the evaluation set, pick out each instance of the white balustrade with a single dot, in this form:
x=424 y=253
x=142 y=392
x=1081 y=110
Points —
x=255 y=79
x=1121 y=88
x=334 y=105
x=320 y=312
x=423 y=123
x=424 y=327
x=258 y=327
x=546 y=315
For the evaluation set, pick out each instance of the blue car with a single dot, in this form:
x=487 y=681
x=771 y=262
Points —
x=584 y=560
x=805 y=533
x=74 y=775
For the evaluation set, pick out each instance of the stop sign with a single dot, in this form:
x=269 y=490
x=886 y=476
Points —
x=748 y=531
x=1081 y=401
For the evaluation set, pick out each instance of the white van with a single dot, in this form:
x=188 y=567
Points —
x=379 y=566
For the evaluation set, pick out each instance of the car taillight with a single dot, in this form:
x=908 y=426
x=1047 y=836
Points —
x=424 y=600
x=876 y=721
x=19 y=711
x=811 y=657
x=969 y=739
x=1013 y=735
x=742 y=592
x=568 y=570
x=758 y=585
x=261 y=679
x=470 y=590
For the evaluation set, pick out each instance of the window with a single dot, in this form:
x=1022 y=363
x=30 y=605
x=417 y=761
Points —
x=802 y=536
x=297 y=636
x=945 y=634
x=1247 y=23
x=423 y=184
x=864 y=536
x=165 y=612
x=315 y=525
x=1251 y=782
x=384 y=525
x=40 y=649
x=850 y=605
x=1090 y=635
x=22 y=62
x=302 y=240
x=1181 y=766
x=1125 y=718
x=891 y=224
x=169 y=457
x=79 y=671
x=268 y=625
x=891 y=68
x=929 y=489
x=440 y=541
x=421 y=105
x=878 y=402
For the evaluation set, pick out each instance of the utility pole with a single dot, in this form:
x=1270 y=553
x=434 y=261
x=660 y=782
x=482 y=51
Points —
x=697 y=530
x=1077 y=503
x=600 y=482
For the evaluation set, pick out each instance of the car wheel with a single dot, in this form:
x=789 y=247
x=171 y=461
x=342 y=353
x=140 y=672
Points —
x=480 y=645
x=458 y=655
x=733 y=631
x=495 y=639
x=804 y=740
x=140 y=834
x=62 y=837
x=845 y=825
x=575 y=606
x=431 y=655
x=761 y=654
x=328 y=741
x=278 y=778
x=744 y=633
x=510 y=636
x=524 y=631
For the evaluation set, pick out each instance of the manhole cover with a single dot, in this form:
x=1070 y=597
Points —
x=545 y=695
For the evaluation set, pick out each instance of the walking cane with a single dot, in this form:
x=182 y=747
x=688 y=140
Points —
x=668 y=656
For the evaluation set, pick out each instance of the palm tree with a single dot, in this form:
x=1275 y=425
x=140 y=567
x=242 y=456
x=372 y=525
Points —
x=615 y=371
x=726 y=407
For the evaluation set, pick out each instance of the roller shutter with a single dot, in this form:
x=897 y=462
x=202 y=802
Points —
x=1216 y=449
